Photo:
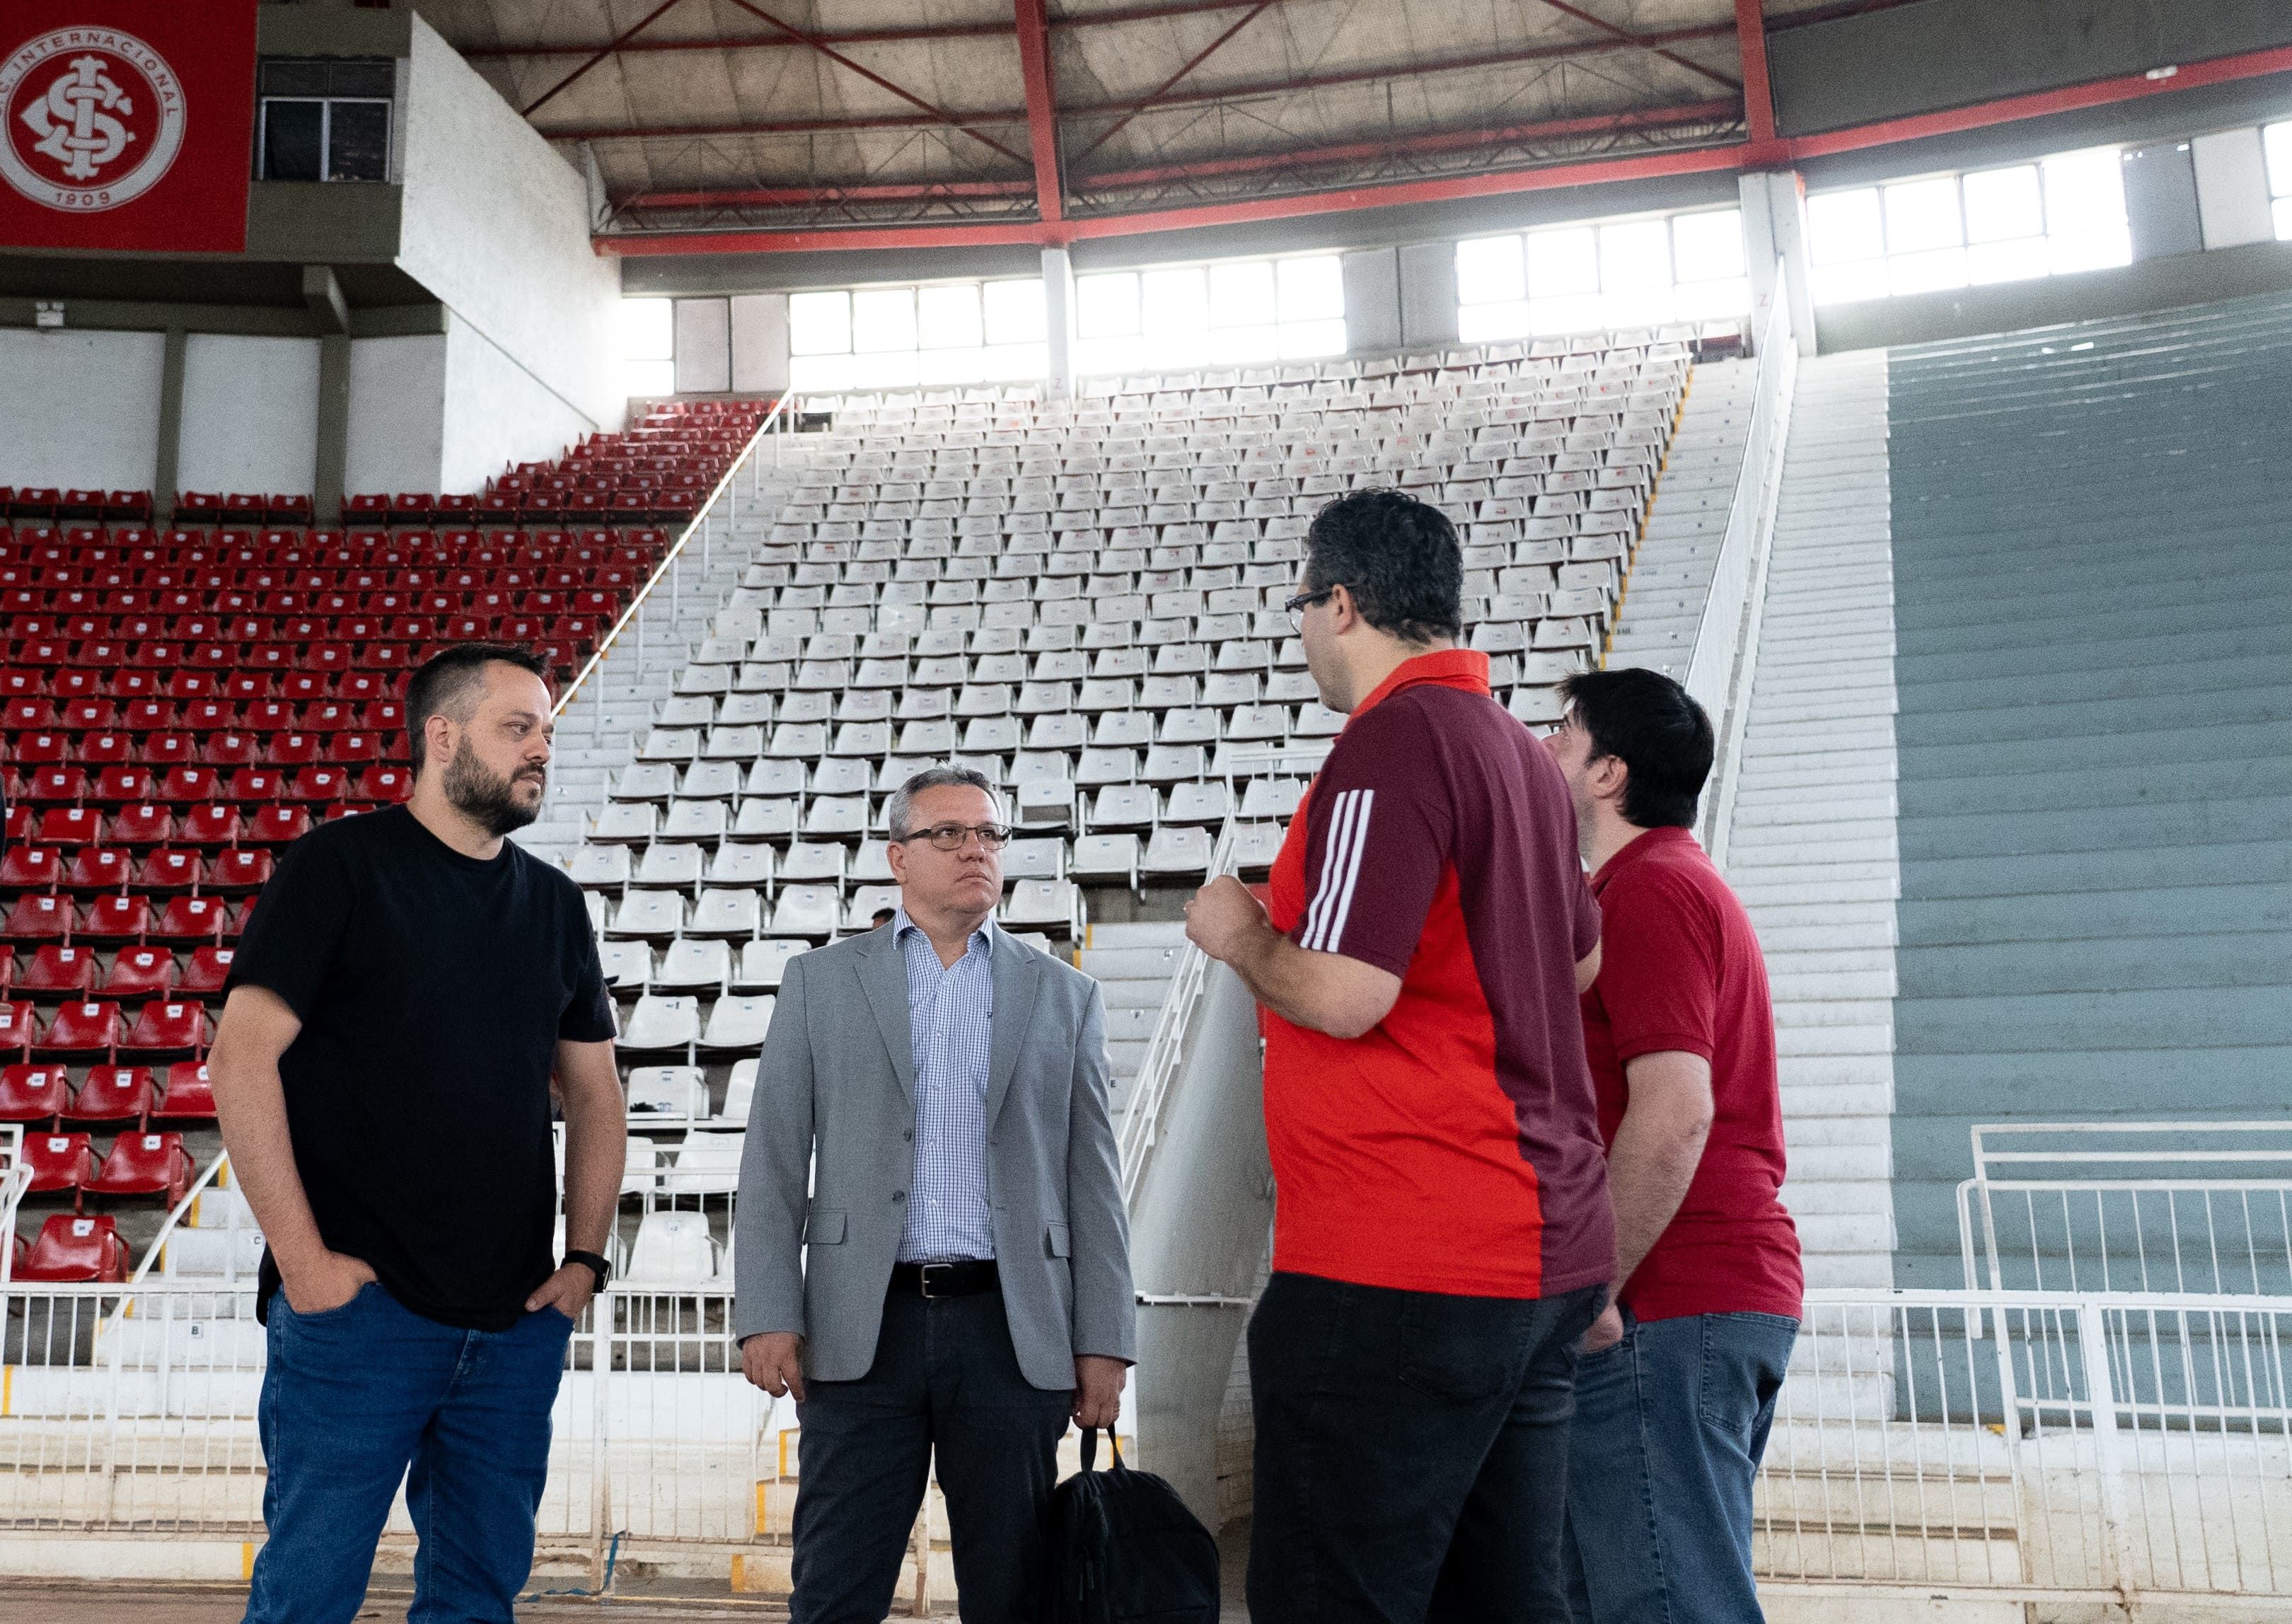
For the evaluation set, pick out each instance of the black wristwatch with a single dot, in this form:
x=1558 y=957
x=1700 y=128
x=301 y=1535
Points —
x=597 y=1266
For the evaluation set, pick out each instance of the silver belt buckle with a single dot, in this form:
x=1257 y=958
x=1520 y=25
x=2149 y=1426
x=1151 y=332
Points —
x=925 y=1277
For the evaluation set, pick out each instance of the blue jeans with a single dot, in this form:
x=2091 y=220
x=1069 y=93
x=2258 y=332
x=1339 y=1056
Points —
x=1670 y=1424
x=359 y=1397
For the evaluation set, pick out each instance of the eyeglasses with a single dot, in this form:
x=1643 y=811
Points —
x=1296 y=607
x=951 y=837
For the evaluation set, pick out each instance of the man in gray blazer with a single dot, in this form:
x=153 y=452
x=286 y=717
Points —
x=931 y=1248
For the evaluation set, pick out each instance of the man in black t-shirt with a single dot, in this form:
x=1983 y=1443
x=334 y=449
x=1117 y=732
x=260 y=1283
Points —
x=382 y=1072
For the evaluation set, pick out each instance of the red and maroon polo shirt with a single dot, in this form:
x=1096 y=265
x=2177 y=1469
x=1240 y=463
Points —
x=1680 y=969
x=1456 y=1148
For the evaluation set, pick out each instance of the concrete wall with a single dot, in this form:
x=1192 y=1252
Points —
x=703 y=346
x=496 y=225
x=759 y=343
x=398 y=414
x=80 y=409
x=497 y=412
x=250 y=414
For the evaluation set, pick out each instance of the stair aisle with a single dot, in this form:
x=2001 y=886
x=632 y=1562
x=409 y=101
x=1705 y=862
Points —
x=1133 y=964
x=1811 y=849
x=1671 y=572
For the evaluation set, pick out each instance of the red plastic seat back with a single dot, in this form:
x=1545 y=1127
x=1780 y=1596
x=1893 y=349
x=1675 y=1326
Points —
x=59 y=1161
x=71 y=1247
x=33 y=1093
x=113 y=1093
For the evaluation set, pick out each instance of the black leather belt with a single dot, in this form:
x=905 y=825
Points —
x=931 y=1280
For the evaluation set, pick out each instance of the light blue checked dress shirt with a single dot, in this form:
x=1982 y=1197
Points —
x=950 y=1015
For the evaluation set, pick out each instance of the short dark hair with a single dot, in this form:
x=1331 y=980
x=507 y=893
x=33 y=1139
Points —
x=1398 y=557
x=1656 y=729
x=444 y=680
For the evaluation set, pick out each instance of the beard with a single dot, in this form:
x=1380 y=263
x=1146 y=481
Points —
x=485 y=797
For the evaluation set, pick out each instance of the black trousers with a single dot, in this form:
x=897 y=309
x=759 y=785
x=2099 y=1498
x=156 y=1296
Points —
x=944 y=1375
x=1412 y=1454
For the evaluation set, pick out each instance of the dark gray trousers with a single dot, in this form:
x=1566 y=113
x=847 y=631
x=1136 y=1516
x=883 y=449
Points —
x=945 y=1375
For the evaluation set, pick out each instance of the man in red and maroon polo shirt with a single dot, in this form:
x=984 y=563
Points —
x=1676 y=1387
x=1442 y=1237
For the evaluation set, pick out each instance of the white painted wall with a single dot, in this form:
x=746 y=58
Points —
x=497 y=412
x=250 y=414
x=2232 y=188
x=496 y=225
x=759 y=343
x=398 y=414
x=80 y=410
x=703 y=346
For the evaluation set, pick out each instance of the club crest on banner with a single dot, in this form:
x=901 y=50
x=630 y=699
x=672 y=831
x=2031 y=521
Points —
x=93 y=118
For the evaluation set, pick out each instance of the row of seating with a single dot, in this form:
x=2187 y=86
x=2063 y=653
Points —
x=47 y=1092
x=93 y=552
x=160 y=870
x=193 y=818
x=128 y=918
x=817 y=913
x=129 y=784
x=139 y=1163
x=162 y=1026
x=56 y=973
x=47 y=502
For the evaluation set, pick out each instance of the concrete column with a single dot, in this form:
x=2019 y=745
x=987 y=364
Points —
x=1774 y=228
x=164 y=476
x=1058 y=325
x=322 y=296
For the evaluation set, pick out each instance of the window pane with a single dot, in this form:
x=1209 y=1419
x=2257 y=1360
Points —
x=649 y=378
x=1842 y=226
x=1707 y=246
x=1482 y=324
x=1575 y=313
x=289 y=77
x=950 y=365
x=1242 y=295
x=1109 y=357
x=1014 y=311
x=2007 y=262
x=1927 y=271
x=1105 y=306
x=1721 y=297
x=1490 y=272
x=375 y=79
x=885 y=369
x=820 y=324
x=1636 y=307
x=2085 y=210
x=1636 y=255
x=2283 y=212
x=648 y=330
x=2003 y=203
x=883 y=319
x=291 y=139
x=1562 y=263
x=1235 y=346
x=1007 y=363
x=1173 y=301
x=1840 y=284
x=2276 y=141
x=1303 y=340
x=1923 y=215
x=820 y=374
x=1311 y=289
x=357 y=141
x=947 y=318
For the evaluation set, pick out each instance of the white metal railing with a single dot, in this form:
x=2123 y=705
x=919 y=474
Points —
x=1166 y=1050
x=1726 y=638
x=2100 y=1449
x=725 y=494
x=2176 y=1207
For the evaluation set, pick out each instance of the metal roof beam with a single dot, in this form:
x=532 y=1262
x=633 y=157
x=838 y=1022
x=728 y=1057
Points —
x=1042 y=107
x=626 y=35
x=1640 y=41
x=1758 y=93
x=1163 y=89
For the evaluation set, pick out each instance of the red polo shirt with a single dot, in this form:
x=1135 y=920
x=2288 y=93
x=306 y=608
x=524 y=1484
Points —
x=1680 y=969
x=1456 y=1148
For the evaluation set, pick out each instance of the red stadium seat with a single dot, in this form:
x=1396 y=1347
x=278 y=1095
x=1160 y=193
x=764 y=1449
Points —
x=113 y=1093
x=145 y=1164
x=70 y=826
x=51 y=785
x=353 y=749
x=24 y=867
x=144 y=825
x=278 y=824
x=188 y=785
x=91 y=1027
x=292 y=749
x=34 y=1094
x=118 y=786
x=58 y=971
x=125 y=917
x=210 y=967
x=17 y=1026
x=318 y=785
x=140 y=972
x=190 y=1095
x=7 y=968
x=384 y=784
x=214 y=824
x=39 y=918
x=170 y=1027
x=59 y=1161
x=98 y=869
x=240 y=868
x=230 y=750
x=171 y=868
x=72 y=1249
x=188 y=920
x=252 y=785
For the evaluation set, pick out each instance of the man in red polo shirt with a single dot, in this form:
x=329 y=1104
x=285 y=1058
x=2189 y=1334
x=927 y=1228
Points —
x=1442 y=1237
x=1676 y=1387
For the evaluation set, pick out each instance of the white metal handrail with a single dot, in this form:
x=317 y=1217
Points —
x=726 y=489
x=212 y=1176
x=1166 y=1050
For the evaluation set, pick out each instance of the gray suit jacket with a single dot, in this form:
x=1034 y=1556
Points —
x=834 y=1107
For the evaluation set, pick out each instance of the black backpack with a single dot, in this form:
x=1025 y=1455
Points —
x=1123 y=1546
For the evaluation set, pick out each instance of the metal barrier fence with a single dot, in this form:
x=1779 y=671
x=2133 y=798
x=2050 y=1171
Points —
x=2003 y=1446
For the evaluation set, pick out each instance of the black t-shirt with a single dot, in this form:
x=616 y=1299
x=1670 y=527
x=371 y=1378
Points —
x=433 y=989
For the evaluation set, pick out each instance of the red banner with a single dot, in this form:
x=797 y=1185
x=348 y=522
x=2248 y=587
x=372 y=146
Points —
x=127 y=123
